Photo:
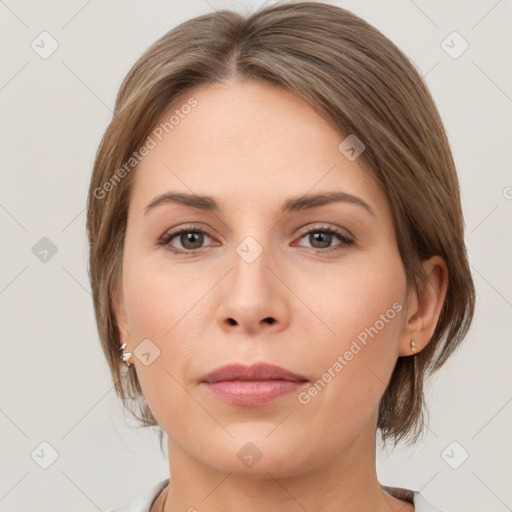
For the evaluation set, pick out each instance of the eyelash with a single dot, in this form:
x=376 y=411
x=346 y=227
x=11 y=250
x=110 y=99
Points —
x=167 y=237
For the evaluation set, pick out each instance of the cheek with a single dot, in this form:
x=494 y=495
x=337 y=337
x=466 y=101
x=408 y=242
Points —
x=160 y=303
x=158 y=308
x=159 y=297
x=361 y=300
x=354 y=360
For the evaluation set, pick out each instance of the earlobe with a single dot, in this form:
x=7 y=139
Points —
x=424 y=308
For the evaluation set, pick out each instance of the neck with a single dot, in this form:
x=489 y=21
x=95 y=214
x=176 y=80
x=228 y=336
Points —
x=345 y=481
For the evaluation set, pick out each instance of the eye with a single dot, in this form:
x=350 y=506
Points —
x=190 y=238
x=322 y=237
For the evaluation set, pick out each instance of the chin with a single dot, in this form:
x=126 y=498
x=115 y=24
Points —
x=258 y=457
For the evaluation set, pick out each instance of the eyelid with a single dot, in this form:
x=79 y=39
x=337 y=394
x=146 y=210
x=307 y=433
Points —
x=326 y=227
x=173 y=232
x=346 y=241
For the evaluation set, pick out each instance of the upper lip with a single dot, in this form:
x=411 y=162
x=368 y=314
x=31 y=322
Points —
x=255 y=372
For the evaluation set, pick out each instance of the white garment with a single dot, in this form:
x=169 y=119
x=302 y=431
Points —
x=143 y=502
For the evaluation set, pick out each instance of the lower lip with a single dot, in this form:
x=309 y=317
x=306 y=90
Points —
x=251 y=393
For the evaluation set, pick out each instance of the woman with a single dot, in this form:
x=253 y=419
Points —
x=277 y=258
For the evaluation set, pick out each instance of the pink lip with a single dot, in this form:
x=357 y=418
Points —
x=253 y=385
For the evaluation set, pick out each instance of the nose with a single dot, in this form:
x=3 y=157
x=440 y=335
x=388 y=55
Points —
x=254 y=296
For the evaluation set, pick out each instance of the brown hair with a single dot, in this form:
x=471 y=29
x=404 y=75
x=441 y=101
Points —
x=360 y=82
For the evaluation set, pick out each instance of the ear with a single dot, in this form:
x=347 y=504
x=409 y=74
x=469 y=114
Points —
x=424 y=308
x=121 y=319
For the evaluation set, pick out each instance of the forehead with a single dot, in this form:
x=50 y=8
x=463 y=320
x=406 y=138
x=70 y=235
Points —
x=247 y=143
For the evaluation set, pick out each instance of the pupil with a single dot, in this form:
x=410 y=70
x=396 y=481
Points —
x=189 y=237
x=324 y=238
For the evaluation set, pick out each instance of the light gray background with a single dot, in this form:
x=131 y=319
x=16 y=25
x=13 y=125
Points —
x=55 y=386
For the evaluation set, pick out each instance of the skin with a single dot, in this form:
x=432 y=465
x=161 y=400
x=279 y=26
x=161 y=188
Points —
x=251 y=146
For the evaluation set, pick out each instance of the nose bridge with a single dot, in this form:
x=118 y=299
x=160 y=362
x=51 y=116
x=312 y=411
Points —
x=255 y=249
x=253 y=298
x=251 y=279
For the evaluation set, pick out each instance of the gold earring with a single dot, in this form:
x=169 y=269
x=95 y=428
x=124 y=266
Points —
x=413 y=346
x=125 y=358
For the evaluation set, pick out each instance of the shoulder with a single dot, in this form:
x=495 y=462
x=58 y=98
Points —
x=421 y=504
x=143 y=502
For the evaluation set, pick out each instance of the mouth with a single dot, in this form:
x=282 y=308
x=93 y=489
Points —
x=254 y=385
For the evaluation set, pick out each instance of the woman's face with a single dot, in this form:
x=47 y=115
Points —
x=254 y=281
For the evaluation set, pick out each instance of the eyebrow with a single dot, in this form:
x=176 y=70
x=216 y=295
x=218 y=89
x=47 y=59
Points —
x=208 y=203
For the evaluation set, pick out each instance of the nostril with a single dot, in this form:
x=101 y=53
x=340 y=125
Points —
x=269 y=320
